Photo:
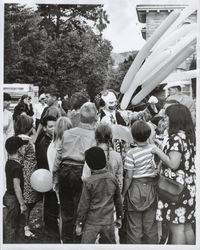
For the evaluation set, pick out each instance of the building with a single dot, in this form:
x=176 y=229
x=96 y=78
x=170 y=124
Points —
x=151 y=14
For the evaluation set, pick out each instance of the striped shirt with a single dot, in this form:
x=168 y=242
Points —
x=140 y=160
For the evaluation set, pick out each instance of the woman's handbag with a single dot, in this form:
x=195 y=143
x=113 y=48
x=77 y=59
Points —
x=170 y=190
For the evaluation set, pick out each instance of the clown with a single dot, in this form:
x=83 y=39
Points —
x=109 y=114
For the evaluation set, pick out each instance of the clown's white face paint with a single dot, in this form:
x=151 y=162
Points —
x=110 y=101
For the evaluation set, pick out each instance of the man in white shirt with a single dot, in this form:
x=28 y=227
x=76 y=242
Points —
x=38 y=109
x=175 y=93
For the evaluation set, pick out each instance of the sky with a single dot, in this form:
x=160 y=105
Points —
x=124 y=30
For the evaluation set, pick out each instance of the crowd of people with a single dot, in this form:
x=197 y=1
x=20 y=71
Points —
x=102 y=184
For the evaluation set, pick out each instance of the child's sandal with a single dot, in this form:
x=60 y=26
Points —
x=28 y=233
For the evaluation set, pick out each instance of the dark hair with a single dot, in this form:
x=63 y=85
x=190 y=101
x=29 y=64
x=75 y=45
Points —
x=77 y=100
x=103 y=133
x=6 y=97
x=155 y=120
x=180 y=119
x=140 y=131
x=23 y=124
x=52 y=92
x=95 y=158
x=48 y=118
x=23 y=97
x=13 y=143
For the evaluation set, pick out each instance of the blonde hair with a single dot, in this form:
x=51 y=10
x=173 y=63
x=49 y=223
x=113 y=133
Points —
x=88 y=113
x=63 y=123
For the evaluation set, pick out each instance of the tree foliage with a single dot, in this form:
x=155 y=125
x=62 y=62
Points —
x=64 y=52
x=116 y=76
x=60 y=19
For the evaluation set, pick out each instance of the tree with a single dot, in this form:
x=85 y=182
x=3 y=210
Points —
x=63 y=18
x=70 y=62
x=116 y=76
x=17 y=24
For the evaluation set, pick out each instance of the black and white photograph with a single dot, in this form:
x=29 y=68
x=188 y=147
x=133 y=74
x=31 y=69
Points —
x=100 y=124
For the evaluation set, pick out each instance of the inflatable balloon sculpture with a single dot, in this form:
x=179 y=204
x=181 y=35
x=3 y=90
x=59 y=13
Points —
x=41 y=180
x=171 y=44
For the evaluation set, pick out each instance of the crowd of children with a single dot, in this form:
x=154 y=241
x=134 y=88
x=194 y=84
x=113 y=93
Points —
x=101 y=182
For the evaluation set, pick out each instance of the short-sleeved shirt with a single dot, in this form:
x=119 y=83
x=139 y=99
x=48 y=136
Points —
x=13 y=170
x=141 y=161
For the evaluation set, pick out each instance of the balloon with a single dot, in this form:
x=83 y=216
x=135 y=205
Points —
x=173 y=38
x=41 y=180
x=178 y=48
x=180 y=76
x=145 y=51
x=162 y=73
x=145 y=70
x=183 y=15
x=122 y=133
x=187 y=41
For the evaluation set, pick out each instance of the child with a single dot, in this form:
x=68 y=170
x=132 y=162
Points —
x=13 y=198
x=50 y=209
x=140 y=188
x=100 y=195
x=103 y=136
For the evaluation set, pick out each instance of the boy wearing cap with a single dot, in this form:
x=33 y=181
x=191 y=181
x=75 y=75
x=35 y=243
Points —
x=100 y=195
x=13 y=198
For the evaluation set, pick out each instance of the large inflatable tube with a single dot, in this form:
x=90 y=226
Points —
x=162 y=74
x=173 y=37
x=157 y=57
x=145 y=51
x=145 y=69
x=187 y=41
x=185 y=13
x=181 y=76
x=178 y=48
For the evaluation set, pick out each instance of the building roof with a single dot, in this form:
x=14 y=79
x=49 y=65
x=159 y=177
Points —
x=145 y=8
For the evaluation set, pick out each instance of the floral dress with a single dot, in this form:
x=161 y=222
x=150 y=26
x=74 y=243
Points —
x=186 y=173
x=28 y=160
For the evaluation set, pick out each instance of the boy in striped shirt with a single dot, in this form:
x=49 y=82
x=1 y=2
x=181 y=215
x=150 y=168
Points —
x=140 y=188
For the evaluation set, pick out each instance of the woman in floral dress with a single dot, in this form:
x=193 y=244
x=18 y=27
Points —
x=23 y=128
x=179 y=165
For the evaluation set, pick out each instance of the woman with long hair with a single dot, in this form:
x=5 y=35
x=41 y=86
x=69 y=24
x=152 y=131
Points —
x=23 y=107
x=23 y=128
x=103 y=136
x=179 y=164
x=62 y=124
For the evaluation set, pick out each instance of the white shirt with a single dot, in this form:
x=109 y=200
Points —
x=109 y=118
x=38 y=109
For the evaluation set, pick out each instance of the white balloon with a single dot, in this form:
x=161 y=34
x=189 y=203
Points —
x=186 y=12
x=143 y=72
x=173 y=38
x=180 y=76
x=41 y=180
x=187 y=41
x=162 y=74
x=145 y=51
